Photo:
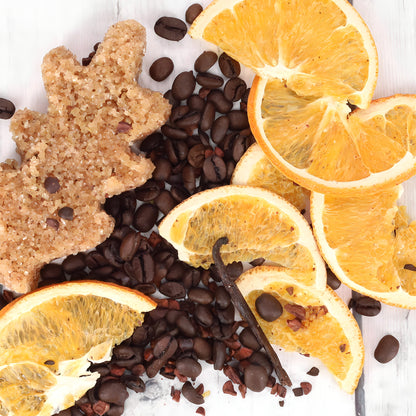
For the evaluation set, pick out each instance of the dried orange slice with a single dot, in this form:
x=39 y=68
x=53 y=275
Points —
x=255 y=169
x=258 y=224
x=48 y=339
x=320 y=144
x=320 y=48
x=325 y=328
x=368 y=243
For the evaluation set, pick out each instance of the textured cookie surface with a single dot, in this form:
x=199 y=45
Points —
x=76 y=155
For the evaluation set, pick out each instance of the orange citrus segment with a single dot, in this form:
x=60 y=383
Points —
x=257 y=222
x=328 y=331
x=320 y=144
x=320 y=48
x=368 y=243
x=71 y=325
x=255 y=169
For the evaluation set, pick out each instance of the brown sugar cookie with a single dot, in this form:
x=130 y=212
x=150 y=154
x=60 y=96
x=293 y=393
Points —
x=76 y=155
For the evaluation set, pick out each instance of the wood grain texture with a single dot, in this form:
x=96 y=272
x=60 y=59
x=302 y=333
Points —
x=29 y=29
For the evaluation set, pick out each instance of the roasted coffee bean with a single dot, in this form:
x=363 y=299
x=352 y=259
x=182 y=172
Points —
x=186 y=326
x=145 y=217
x=129 y=245
x=178 y=112
x=173 y=290
x=177 y=271
x=161 y=345
x=196 y=103
x=205 y=61
x=202 y=348
x=179 y=193
x=255 y=377
x=332 y=281
x=7 y=109
x=66 y=213
x=367 y=306
x=141 y=335
x=386 y=349
x=51 y=184
x=192 y=12
x=229 y=66
x=201 y=295
x=189 y=121
x=188 y=367
x=234 y=89
x=161 y=69
x=222 y=104
x=165 y=201
x=113 y=391
x=191 y=394
x=174 y=133
x=219 y=129
x=260 y=358
x=123 y=352
x=234 y=269
x=268 y=307
x=238 y=120
x=207 y=117
x=133 y=382
x=411 y=267
x=248 y=339
x=204 y=136
x=73 y=263
x=172 y=100
x=219 y=352
x=170 y=28
x=189 y=178
x=196 y=155
x=183 y=86
x=151 y=142
x=226 y=316
x=163 y=170
x=147 y=192
x=52 y=271
x=208 y=80
x=214 y=169
x=222 y=297
x=114 y=411
x=204 y=315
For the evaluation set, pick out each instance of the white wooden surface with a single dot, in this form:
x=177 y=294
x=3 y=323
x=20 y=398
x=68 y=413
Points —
x=28 y=29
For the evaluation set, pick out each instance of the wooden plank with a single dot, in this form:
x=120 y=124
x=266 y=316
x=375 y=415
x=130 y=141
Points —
x=387 y=387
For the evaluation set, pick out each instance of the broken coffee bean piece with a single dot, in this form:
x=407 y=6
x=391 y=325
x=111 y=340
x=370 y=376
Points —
x=314 y=371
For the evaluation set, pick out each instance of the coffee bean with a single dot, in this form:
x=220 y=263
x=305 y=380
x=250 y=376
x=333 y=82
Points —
x=73 y=263
x=411 y=267
x=332 y=281
x=145 y=217
x=51 y=271
x=234 y=269
x=367 y=306
x=172 y=100
x=165 y=201
x=7 y=109
x=222 y=104
x=196 y=155
x=218 y=354
x=268 y=307
x=214 y=169
x=179 y=193
x=207 y=117
x=186 y=326
x=222 y=297
x=238 y=120
x=201 y=295
x=191 y=394
x=66 y=213
x=183 y=86
x=260 y=358
x=151 y=142
x=189 y=121
x=51 y=184
x=202 y=348
x=229 y=66
x=173 y=290
x=188 y=367
x=141 y=335
x=174 y=133
x=133 y=382
x=204 y=315
x=219 y=129
x=226 y=316
x=113 y=391
x=147 y=192
x=161 y=69
x=196 y=103
x=129 y=245
x=177 y=271
x=255 y=377
x=386 y=349
x=170 y=28
x=248 y=339
x=205 y=61
x=163 y=169
x=208 y=80
x=192 y=12
x=234 y=89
